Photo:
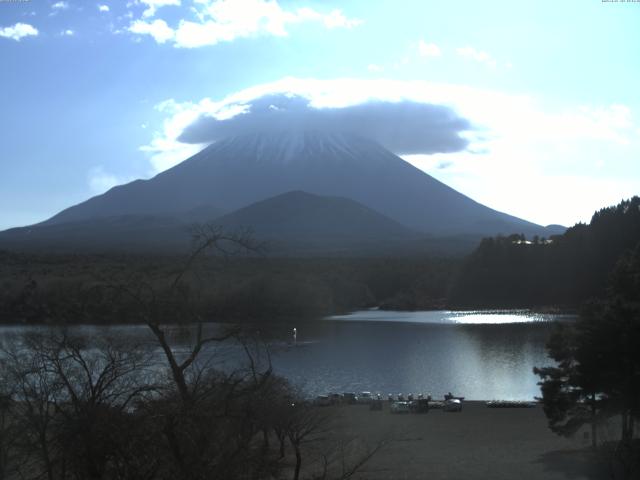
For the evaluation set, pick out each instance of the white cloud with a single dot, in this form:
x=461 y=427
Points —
x=374 y=68
x=225 y=20
x=428 y=49
x=154 y=5
x=336 y=19
x=529 y=188
x=477 y=55
x=165 y=150
x=540 y=164
x=100 y=181
x=60 y=5
x=545 y=166
x=18 y=31
x=158 y=29
x=403 y=127
x=67 y=33
x=103 y=8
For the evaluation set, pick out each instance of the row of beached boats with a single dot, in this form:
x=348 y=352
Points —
x=420 y=403
x=510 y=404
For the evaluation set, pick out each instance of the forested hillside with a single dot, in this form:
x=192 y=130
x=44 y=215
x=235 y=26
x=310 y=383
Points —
x=71 y=288
x=562 y=271
x=503 y=272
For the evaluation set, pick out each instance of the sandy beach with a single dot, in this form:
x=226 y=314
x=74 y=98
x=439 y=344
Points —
x=477 y=443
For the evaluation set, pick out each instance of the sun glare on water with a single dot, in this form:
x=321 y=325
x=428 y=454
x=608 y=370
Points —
x=480 y=318
x=474 y=317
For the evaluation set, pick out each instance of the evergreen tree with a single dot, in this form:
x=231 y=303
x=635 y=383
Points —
x=597 y=372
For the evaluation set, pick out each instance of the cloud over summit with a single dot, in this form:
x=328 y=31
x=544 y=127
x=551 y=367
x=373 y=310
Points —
x=404 y=127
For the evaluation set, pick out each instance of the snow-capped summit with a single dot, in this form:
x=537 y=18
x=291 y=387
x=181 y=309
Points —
x=279 y=147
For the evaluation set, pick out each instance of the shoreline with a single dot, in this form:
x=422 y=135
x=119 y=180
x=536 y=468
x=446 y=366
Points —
x=476 y=443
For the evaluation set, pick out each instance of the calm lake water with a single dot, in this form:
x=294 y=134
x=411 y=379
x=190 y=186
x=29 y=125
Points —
x=480 y=355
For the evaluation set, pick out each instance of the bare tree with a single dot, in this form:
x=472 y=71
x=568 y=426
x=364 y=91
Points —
x=103 y=409
x=207 y=417
x=8 y=434
x=304 y=424
x=33 y=394
x=71 y=399
x=347 y=457
x=176 y=300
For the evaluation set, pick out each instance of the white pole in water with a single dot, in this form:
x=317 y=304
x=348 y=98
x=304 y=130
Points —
x=295 y=335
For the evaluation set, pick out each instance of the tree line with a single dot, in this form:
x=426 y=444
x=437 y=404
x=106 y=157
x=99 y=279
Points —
x=63 y=289
x=562 y=271
x=503 y=272
x=596 y=378
x=595 y=382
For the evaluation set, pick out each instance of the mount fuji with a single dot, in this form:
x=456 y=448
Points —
x=239 y=171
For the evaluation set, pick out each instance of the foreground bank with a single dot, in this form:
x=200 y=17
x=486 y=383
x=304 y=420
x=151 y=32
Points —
x=476 y=443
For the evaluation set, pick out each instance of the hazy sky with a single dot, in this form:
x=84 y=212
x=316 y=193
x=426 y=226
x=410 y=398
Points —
x=544 y=94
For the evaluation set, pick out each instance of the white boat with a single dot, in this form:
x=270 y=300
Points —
x=400 y=407
x=365 y=398
x=452 y=405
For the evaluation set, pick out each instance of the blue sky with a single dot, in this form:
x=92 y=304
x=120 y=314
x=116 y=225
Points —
x=97 y=93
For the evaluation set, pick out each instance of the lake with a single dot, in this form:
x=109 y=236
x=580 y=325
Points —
x=481 y=355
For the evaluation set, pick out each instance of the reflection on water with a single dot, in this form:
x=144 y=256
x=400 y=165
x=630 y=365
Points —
x=480 y=355
x=480 y=317
x=477 y=361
